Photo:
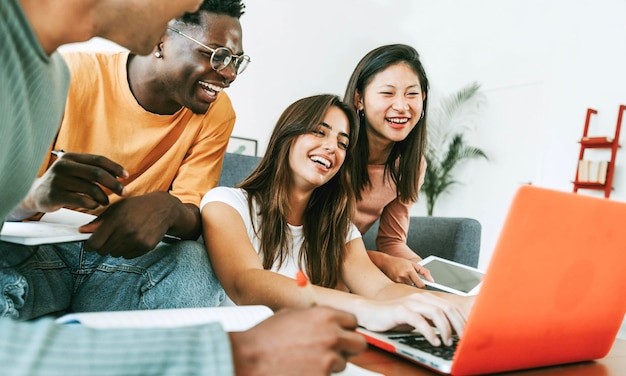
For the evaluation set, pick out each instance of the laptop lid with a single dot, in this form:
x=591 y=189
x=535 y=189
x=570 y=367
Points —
x=553 y=293
x=555 y=288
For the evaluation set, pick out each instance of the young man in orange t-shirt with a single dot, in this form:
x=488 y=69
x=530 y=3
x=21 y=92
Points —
x=144 y=138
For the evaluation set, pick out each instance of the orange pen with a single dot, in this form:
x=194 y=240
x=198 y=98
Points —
x=303 y=282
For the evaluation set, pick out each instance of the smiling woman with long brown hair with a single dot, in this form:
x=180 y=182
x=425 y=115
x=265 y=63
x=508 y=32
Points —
x=294 y=212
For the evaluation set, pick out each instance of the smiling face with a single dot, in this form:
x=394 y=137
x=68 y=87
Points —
x=186 y=72
x=393 y=103
x=315 y=157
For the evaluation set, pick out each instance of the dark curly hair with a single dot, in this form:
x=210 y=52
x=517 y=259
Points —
x=232 y=8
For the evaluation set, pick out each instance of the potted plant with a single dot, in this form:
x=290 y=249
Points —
x=447 y=146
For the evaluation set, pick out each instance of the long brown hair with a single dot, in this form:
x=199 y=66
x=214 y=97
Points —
x=328 y=215
x=403 y=163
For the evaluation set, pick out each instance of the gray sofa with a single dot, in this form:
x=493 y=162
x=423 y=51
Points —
x=455 y=239
x=236 y=167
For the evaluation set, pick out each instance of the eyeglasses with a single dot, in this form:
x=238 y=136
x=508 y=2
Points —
x=221 y=56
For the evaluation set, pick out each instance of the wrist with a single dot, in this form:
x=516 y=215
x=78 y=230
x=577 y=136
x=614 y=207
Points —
x=243 y=352
x=170 y=206
x=365 y=311
x=183 y=220
x=26 y=209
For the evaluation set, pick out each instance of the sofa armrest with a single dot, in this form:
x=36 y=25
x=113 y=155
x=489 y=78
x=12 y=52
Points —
x=456 y=239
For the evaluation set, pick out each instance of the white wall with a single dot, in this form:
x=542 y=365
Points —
x=541 y=65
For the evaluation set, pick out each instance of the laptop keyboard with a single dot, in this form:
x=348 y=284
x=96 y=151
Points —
x=420 y=342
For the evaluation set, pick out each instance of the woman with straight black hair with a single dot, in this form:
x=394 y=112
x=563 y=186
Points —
x=389 y=90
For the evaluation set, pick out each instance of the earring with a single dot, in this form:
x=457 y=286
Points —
x=422 y=116
x=158 y=54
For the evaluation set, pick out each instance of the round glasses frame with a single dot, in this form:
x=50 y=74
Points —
x=221 y=57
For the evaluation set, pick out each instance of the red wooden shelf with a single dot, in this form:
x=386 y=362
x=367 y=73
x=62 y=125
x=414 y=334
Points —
x=593 y=144
x=589 y=185
x=599 y=142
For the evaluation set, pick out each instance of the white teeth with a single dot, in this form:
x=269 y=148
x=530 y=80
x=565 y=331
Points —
x=323 y=161
x=398 y=120
x=210 y=87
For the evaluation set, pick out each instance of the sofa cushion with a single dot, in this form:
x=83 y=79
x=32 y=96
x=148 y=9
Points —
x=456 y=239
x=236 y=167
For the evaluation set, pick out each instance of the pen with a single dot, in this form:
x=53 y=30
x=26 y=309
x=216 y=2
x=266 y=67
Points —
x=303 y=282
x=57 y=153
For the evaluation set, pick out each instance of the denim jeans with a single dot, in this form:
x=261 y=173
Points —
x=40 y=280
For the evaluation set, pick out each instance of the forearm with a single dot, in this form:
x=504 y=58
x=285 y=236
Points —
x=45 y=348
x=380 y=258
x=396 y=290
x=277 y=291
x=396 y=248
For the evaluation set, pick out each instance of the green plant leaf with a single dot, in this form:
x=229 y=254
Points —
x=447 y=146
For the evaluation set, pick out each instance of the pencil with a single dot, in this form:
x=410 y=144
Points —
x=304 y=283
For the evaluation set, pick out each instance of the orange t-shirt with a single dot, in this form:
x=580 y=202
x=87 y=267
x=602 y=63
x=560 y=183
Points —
x=180 y=153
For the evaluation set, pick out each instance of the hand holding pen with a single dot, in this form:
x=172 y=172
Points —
x=76 y=180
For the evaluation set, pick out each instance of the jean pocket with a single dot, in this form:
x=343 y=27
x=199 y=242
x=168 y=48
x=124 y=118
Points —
x=14 y=288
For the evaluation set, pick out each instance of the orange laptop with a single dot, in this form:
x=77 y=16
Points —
x=554 y=291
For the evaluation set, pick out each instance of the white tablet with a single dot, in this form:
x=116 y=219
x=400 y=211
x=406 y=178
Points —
x=452 y=276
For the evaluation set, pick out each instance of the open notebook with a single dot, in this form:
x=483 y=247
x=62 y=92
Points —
x=54 y=227
x=233 y=319
x=553 y=292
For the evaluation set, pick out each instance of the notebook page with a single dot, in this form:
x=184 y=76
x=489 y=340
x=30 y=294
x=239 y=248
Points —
x=68 y=217
x=32 y=233
x=354 y=370
x=233 y=319
x=55 y=227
